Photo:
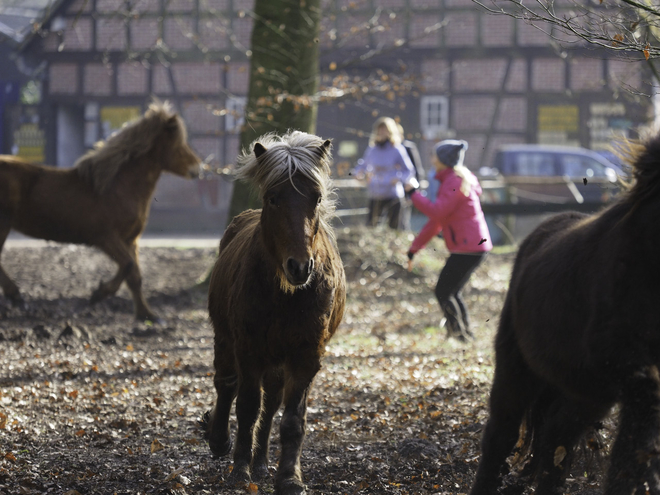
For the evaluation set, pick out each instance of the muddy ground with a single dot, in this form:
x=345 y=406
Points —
x=92 y=402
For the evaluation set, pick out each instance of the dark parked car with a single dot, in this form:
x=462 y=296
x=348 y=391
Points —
x=534 y=173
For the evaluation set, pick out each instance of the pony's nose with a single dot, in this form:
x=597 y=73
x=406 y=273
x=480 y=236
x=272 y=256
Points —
x=299 y=272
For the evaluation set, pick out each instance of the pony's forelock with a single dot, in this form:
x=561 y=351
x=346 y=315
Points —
x=286 y=155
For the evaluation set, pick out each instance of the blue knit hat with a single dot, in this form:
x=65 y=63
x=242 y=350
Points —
x=451 y=151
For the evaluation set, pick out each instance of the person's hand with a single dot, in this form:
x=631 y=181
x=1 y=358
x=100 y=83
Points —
x=411 y=186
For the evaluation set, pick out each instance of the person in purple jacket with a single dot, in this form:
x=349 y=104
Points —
x=456 y=212
x=386 y=166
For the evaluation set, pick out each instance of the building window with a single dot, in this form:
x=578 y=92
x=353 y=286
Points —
x=235 y=117
x=435 y=116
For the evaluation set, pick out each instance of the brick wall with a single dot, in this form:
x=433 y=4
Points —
x=423 y=32
x=161 y=80
x=512 y=115
x=238 y=78
x=548 y=74
x=78 y=34
x=586 y=74
x=132 y=79
x=110 y=34
x=435 y=75
x=392 y=28
x=197 y=77
x=214 y=33
x=97 y=79
x=497 y=30
x=242 y=31
x=461 y=29
x=478 y=75
x=63 y=78
x=144 y=33
x=352 y=31
x=199 y=116
x=472 y=113
x=517 y=80
x=213 y=5
x=177 y=33
x=146 y=6
x=620 y=72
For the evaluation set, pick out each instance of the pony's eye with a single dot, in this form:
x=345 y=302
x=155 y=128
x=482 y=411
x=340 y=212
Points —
x=272 y=201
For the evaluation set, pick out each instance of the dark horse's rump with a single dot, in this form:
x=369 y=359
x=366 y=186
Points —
x=102 y=201
x=276 y=296
x=579 y=332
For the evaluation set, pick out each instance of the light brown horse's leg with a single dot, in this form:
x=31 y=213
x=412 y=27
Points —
x=134 y=282
x=129 y=270
x=273 y=385
x=8 y=286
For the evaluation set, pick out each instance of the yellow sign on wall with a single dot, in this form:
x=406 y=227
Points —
x=112 y=118
x=562 y=118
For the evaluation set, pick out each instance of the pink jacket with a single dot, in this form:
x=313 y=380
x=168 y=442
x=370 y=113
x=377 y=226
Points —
x=458 y=216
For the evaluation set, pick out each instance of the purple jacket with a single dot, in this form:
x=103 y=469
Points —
x=458 y=216
x=384 y=165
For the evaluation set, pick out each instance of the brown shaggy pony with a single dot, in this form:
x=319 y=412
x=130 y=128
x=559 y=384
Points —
x=579 y=333
x=276 y=296
x=102 y=201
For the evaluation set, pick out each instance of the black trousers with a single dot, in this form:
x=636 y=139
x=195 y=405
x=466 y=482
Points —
x=391 y=208
x=453 y=277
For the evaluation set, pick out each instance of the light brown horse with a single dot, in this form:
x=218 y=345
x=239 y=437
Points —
x=276 y=296
x=102 y=201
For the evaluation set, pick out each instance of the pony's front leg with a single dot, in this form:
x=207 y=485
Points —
x=292 y=432
x=273 y=384
x=248 y=408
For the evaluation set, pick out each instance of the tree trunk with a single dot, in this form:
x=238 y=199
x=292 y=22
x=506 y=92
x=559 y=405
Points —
x=284 y=74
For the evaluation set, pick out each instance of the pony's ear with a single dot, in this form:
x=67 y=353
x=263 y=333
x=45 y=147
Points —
x=172 y=122
x=324 y=149
x=259 y=149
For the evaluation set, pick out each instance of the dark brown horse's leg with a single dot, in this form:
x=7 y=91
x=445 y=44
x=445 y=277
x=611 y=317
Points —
x=9 y=288
x=636 y=452
x=292 y=432
x=273 y=384
x=248 y=408
x=564 y=422
x=514 y=389
x=226 y=384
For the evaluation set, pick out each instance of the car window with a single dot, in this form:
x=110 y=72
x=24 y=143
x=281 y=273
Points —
x=581 y=166
x=534 y=164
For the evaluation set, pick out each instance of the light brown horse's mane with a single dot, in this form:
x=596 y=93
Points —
x=98 y=167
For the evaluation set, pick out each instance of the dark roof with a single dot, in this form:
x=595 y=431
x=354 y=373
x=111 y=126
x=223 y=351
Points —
x=18 y=18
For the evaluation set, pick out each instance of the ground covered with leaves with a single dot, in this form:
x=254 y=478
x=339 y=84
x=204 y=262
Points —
x=92 y=402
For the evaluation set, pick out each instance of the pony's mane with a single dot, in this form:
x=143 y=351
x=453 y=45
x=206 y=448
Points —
x=98 y=167
x=644 y=158
x=294 y=152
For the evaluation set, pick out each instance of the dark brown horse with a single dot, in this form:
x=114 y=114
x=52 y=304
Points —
x=580 y=332
x=102 y=201
x=276 y=296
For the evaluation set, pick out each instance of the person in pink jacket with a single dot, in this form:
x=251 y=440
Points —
x=456 y=212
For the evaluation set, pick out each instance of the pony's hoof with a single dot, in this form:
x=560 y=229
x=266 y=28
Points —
x=239 y=476
x=220 y=449
x=17 y=301
x=290 y=487
x=260 y=471
x=97 y=296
